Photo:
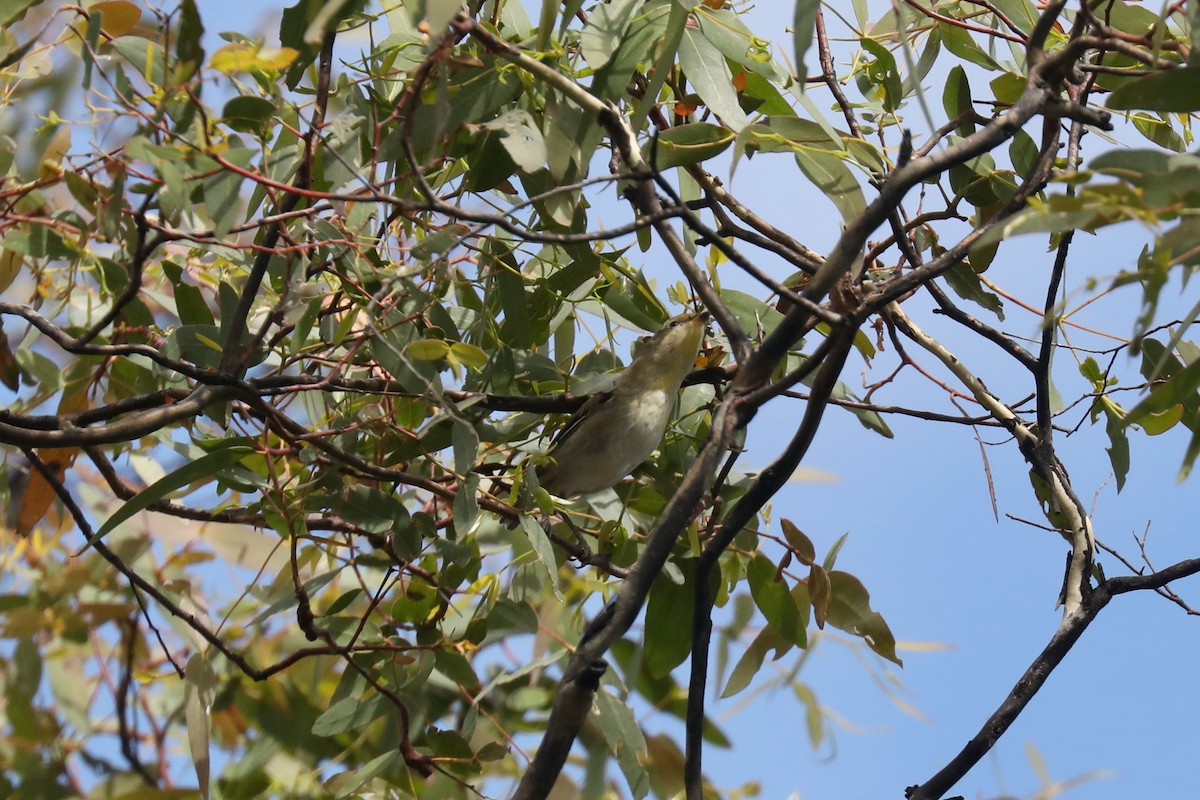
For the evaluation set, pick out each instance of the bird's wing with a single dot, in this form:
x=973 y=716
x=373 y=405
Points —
x=592 y=404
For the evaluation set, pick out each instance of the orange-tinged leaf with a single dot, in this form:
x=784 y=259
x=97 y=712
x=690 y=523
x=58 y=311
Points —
x=685 y=108
x=739 y=82
x=118 y=16
x=39 y=494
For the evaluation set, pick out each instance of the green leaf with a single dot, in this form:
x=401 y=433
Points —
x=804 y=24
x=1008 y=87
x=200 y=469
x=348 y=784
x=850 y=611
x=605 y=29
x=248 y=113
x=199 y=682
x=831 y=175
x=1173 y=91
x=188 y=48
x=868 y=418
x=305 y=25
x=960 y=43
x=91 y=39
x=521 y=138
x=751 y=661
x=956 y=99
x=966 y=284
x=708 y=72
x=1178 y=388
x=1156 y=424
x=724 y=29
x=1023 y=152
x=689 y=144
x=882 y=72
x=12 y=11
x=350 y=713
x=668 y=631
x=619 y=726
x=428 y=349
x=774 y=599
x=220 y=191
x=543 y=552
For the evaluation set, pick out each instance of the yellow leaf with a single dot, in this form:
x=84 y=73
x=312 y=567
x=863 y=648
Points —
x=276 y=59
x=50 y=165
x=427 y=349
x=10 y=266
x=118 y=16
x=235 y=57
x=240 y=57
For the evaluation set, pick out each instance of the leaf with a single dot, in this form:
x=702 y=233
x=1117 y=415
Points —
x=1118 y=448
x=248 y=113
x=835 y=180
x=118 y=17
x=705 y=67
x=50 y=163
x=39 y=494
x=1178 y=388
x=726 y=31
x=543 y=552
x=605 y=29
x=689 y=144
x=428 y=349
x=188 y=48
x=966 y=284
x=11 y=263
x=850 y=611
x=668 y=630
x=348 y=783
x=820 y=592
x=220 y=191
x=350 y=713
x=751 y=661
x=241 y=57
x=1174 y=91
x=469 y=354
x=774 y=599
x=304 y=26
x=804 y=23
x=12 y=11
x=960 y=43
x=198 y=698
x=883 y=73
x=199 y=469
x=521 y=139
x=1163 y=421
x=619 y=726
x=802 y=546
x=956 y=99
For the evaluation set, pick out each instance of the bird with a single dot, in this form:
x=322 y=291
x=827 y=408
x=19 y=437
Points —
x=617 y=429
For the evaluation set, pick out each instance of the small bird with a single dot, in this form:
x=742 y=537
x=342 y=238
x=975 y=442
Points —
x=615 y=430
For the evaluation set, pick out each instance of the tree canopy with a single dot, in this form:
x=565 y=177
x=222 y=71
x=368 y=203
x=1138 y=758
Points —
x=288 y=327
